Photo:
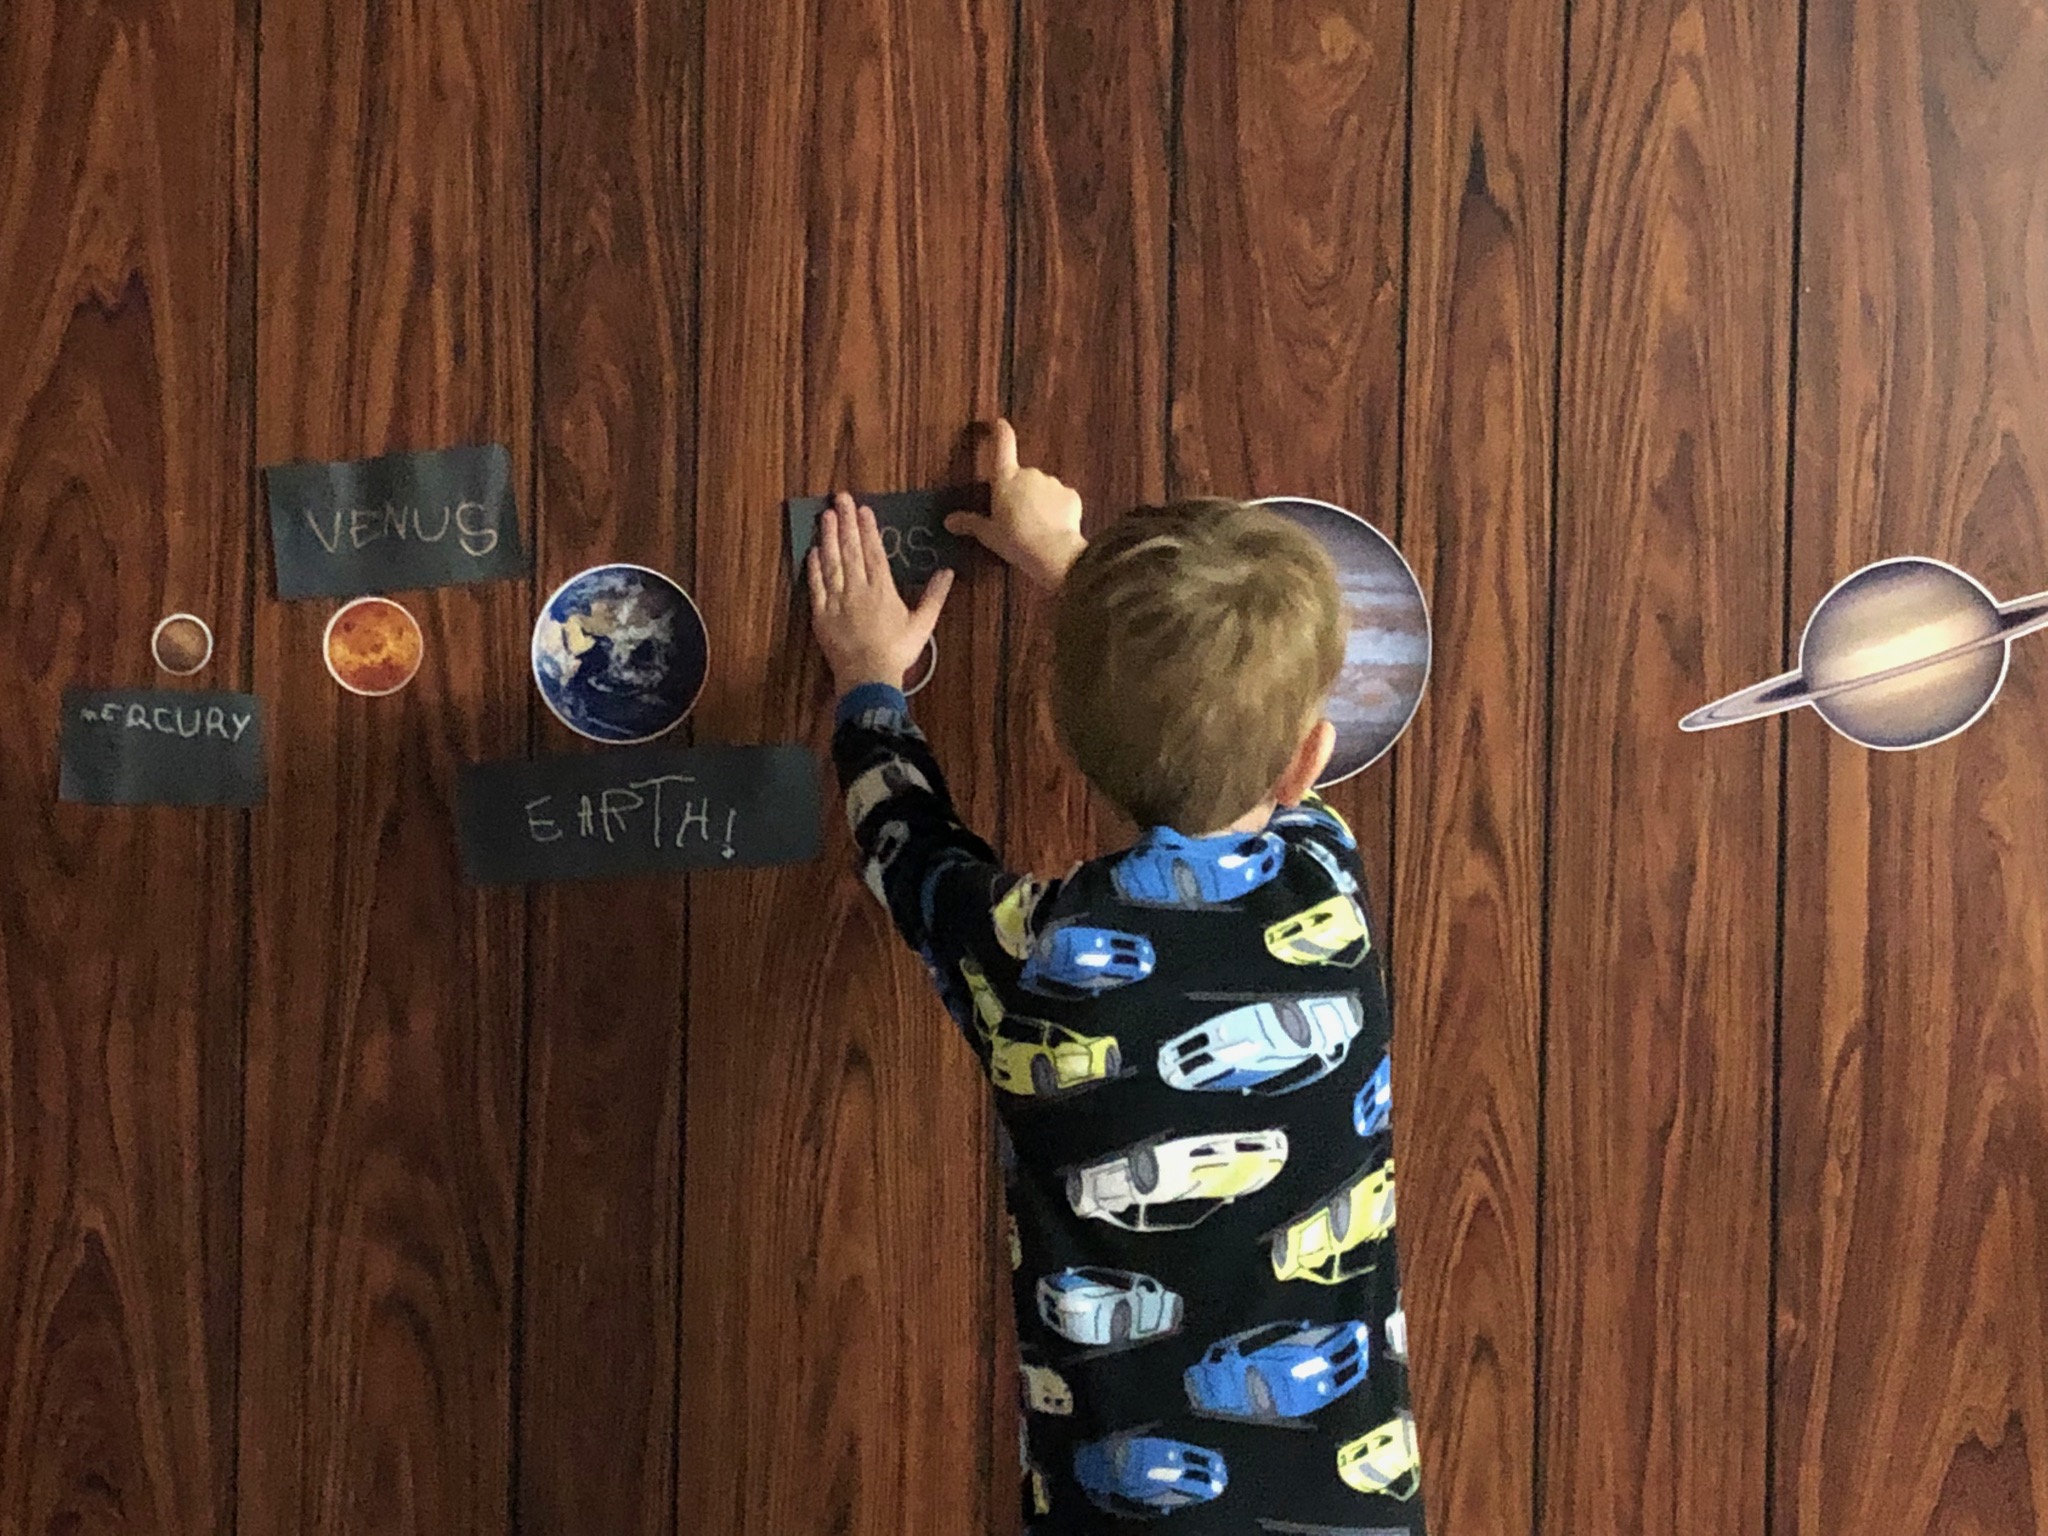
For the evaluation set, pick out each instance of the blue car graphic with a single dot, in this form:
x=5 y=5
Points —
x=1146 y=1475
x=1169 y=870
x=1279 y=1370
x=1373 y=1110
x=1072 y=961
x=1314 y=816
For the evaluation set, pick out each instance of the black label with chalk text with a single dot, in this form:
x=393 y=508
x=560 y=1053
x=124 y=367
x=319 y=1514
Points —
x=912 y=525
x=644 y=810
x=394 y=523
x=151 y=746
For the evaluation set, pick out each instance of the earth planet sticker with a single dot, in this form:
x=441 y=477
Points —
x=619 y=653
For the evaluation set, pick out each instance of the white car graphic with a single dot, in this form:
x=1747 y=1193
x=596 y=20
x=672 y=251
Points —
x=1198 y=1175
x=1267 y=1048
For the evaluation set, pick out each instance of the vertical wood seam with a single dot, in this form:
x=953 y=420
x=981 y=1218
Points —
x=1390 y=903
x=1176 y=169
x=1553 y=517
x=1777 y=1106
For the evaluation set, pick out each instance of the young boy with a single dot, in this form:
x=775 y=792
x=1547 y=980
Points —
x=1187 y=1040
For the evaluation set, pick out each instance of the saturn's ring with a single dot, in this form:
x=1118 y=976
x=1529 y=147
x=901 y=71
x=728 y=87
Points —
x=1777 y=695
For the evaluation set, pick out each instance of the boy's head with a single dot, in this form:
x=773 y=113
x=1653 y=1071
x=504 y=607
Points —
x=1194 y=648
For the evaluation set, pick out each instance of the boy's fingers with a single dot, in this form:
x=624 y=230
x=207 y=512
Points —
x=933 y=601
x=968 y=525
x=816 y=574
x=851 y=561
x=876 y=557
x=1006 y=449
x=831 y=566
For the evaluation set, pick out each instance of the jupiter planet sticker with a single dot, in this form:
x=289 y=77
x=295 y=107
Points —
x=1387 y=644
x=373 y=646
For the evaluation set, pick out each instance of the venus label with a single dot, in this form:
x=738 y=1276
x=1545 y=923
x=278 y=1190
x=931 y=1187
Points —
x=402 y=521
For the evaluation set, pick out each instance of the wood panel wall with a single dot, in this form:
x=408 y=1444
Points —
x=338 y=1197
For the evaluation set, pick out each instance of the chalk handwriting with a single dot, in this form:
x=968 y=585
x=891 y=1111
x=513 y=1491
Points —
x=613 y=815
x=475 y=525
x=170 y=720
x=911 y=548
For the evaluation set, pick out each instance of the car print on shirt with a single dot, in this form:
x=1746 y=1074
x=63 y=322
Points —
x=1108 y=1307
x=1045 y=1389
x=891 y=840
x=1012 y=917
x=1270 y=1047
x=1372 y=1111
x=1281 y=1370
x=1073 y=961
x=1331 y=932
x=1341 y=879
x=881 y=783
x=1169 y=870
x=1032 y=1474
x=1170 y=1185
x=1314 y=815
x=1397 y=1331
x=1384 y=1461
x=1323 y=1244
x=1143 y=1476
x=1032 y=1056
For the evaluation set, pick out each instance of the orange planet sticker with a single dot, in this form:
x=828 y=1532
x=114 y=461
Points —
x=181 y=643
x=373 y=646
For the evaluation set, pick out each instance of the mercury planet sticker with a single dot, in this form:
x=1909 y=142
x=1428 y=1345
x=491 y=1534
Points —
x=181 y=643
x=373 y=646
x=1387 y=648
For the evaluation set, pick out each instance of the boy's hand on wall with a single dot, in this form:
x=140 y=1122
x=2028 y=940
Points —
x=866 y=631
x=1034 y=521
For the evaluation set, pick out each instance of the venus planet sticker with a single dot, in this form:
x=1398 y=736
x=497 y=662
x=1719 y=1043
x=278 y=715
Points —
x=181 y=643
x=373 y=646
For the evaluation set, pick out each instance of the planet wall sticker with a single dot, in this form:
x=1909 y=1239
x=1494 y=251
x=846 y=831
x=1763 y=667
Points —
x=619 y=653
x=1903 y=654
x=1387 y=646
x=373 y=646
x=182 y=643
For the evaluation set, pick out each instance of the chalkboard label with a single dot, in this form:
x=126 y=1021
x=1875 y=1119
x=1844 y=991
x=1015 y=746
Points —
x=394 y=523
x=597 y=815
x=140 y=746
x=913 y=525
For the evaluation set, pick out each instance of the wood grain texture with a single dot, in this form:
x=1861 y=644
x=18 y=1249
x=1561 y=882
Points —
x=1912 y=1313
x=124 y=232
x=838 y=1301
x=395 y=310
x=1672 y=426
x=1286 y=348
x=1471 y=805
x=616 y=382
x=1088 y=340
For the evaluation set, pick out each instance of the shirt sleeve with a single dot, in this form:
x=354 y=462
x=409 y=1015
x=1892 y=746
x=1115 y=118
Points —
x=939 y=882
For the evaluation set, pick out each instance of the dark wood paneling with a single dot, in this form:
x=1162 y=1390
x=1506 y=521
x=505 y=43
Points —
x=1088 y=337
x=617 y=389
x=1471 y=803
x=1914 y=1180
x=395 y=308
x=837 y=1280
x=1656 y=1219
x=123 y=454
x=1287 y=275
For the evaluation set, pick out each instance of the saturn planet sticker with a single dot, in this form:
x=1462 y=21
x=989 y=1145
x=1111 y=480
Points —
x=1903 y=654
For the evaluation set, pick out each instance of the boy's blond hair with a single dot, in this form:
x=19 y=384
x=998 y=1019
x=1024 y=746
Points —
x=1192 y=650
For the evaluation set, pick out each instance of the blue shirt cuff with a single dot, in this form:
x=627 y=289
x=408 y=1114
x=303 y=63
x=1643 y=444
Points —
x=871 y=696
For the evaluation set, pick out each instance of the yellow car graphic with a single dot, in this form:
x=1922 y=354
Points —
x=1313 y=1247
x=1011 y=918
x=1046 y=1390
x=1031 y=1056
x=1383 y=1460
x=1016 y=1244
x=1321 y=934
